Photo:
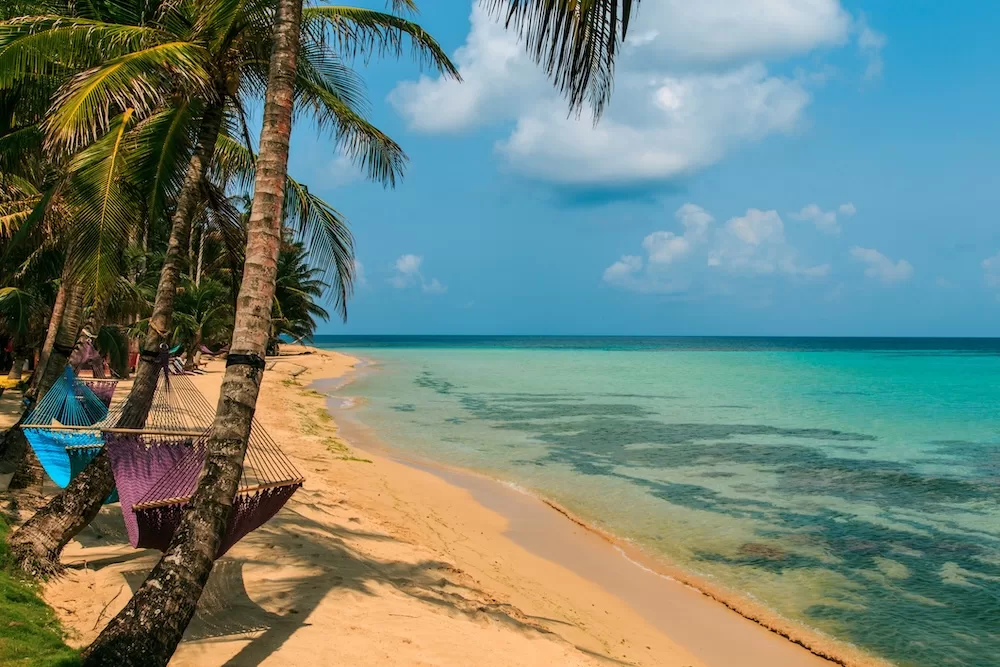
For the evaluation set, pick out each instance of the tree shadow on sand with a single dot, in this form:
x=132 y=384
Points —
x=325 y=553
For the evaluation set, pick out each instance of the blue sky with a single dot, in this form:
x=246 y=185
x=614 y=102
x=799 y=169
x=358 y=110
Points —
x=805 y=167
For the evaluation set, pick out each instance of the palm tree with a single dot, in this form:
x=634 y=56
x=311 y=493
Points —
x=298 y=288
x=220 y=48
x=137 y=636
x=203 y=313
x=148 y=629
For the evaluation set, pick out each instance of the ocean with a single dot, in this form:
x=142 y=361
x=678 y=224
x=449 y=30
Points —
x=851 y=485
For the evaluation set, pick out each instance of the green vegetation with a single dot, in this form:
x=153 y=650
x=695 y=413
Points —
x=29 y=631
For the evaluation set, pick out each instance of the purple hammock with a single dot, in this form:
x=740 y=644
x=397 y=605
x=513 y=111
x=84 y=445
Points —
x=105 y=389
x=156 y=476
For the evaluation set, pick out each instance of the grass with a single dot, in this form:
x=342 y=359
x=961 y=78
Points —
x=30 y=635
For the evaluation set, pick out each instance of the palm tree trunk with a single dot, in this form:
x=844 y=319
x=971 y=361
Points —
x=147 y=630
x=190 y=360
x=50 y=335
x=201 y=257
x=65 y=339
x=93 y=327
x=190 y=252
x=36 y=545
x=20 y=356
x=161 y=321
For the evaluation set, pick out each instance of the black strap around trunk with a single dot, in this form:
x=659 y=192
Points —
x=252 y=360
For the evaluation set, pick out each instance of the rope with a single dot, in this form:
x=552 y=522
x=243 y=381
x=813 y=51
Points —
x=70 y=402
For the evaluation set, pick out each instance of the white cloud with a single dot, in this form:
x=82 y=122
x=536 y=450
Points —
x=881 y=267
x=676 y=125
x=408 y=275
x=497 y=77
x=870 y=43
x=359 y=274
x=691 y=87
x=623 y=270
x=755 y=243
x=991 y=270
x=721 y=31
x=751 y=244
x=825 y=221
x=662 y=249
x=434 y=287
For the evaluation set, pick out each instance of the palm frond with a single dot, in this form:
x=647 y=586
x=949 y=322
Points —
x=19 y=147
x=136 y=81
x=104 y=209
x=576 y=41
x=319 y=94
x=113 y=343
x=234 y=164
x=365 y=33
x=326 y=234
x=162 y=147
x=37 y=46
x=17 y=309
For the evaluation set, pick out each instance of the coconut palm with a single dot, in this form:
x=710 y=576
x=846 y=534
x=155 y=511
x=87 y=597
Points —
x=297 y=292
x=148 y=629
x=136 y=635
x=204 y=314
x=221 y=49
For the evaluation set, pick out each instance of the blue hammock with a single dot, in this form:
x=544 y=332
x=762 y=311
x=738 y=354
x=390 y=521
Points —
x=63 y=454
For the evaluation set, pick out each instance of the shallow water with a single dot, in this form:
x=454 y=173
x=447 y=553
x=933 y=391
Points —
x=850 y=485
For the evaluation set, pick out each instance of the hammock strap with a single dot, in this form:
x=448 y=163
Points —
x=64 y=350
x=254 y=361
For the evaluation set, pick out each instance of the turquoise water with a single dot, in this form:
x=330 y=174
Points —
x=850 y=485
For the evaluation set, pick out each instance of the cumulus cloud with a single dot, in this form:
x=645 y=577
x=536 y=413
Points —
x=880 y=267
x=755 y=243
x=752 y=244
x=724 y=31
x=676 y=125
x=825 y=221
x=408 y=274
x=991 y=270
x=870 y=43
x=691 y=87
x=663 y=248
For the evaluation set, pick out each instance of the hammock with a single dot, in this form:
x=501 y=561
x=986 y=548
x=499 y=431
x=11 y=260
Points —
x=104 y=389
x=157 y=475
x=68 y=403
x=157 y=470
x=65 y=442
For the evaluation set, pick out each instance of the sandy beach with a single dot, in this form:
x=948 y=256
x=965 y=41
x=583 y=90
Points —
x=381 y=561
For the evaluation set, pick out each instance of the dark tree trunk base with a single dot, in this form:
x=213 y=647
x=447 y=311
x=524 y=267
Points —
x=37 y=544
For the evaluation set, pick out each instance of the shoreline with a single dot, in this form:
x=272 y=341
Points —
x=827 y=650
x=407 y=566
